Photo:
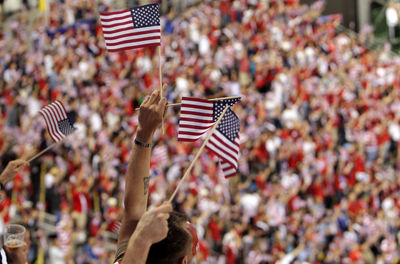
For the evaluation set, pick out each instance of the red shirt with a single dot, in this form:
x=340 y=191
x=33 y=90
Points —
x=215 y=231
x=4 y=207
x=356 y=207
x=81 y=202
x=203 y=250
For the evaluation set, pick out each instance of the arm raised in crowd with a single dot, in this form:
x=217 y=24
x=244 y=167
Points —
x=152 y=228
x=137 y=177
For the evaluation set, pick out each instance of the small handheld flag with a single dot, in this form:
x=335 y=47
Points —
x=57 y=121
x=132 y=28
x=58 y=124
x=224 y=142
x=199 y=152
x=198 y=115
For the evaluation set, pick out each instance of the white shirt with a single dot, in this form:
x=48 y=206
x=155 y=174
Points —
x=392 y=18
x=56 y=255
x=249 y=203
x=3 y=257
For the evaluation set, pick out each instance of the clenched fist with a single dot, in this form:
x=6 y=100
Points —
x=151 y=114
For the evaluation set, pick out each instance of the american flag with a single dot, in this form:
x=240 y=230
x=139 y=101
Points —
x=198 y=115
x=159 y=156
x=224 y=142
x=132 y=28
x=57 y=121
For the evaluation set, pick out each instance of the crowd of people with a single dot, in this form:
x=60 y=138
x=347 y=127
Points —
x=320 y=131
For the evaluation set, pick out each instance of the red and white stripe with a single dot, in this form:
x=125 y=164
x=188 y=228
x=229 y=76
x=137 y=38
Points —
x=227 y=151
x=115 y=226
x=52 y=114
x=160 y=156
x=120 y=33
x=228 y=169
x=63 y=234
x=195 y=119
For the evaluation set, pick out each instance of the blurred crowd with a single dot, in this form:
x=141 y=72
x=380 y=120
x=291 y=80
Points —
x=320 y=132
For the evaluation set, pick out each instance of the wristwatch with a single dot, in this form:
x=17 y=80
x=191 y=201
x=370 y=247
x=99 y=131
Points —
x=142 y=144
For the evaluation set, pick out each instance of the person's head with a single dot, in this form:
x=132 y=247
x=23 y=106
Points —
x=180 y=245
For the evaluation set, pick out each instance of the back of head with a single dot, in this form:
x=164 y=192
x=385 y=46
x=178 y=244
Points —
x=175 y=246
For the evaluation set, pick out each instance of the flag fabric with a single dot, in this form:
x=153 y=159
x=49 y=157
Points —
x=224 y=142
x=159 y=156
x=199 y=115
x=57 y=121
x=132 y=28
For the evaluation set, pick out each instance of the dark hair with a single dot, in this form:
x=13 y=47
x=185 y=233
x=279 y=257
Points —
x=175 y=245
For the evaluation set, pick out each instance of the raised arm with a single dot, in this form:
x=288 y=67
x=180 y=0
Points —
x=146 y=234
x=137 y=177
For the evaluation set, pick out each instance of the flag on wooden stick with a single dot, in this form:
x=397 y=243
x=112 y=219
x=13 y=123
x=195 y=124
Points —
x=132 y=28
x=57 y=121
x=224 y=142
x=198 y=115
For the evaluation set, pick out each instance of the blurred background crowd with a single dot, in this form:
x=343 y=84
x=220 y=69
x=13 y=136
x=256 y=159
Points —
x=320 y=131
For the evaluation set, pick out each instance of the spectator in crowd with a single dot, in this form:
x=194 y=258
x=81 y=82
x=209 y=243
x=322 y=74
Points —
x=319 y=130
x=145 y=234
x=139 y=240
x=392 y=19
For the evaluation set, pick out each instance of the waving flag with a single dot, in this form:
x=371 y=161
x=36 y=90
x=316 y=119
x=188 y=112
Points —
x=224 y=142
x=132 y=28
x=198 y=115
x=159 y=156
x=57 y=121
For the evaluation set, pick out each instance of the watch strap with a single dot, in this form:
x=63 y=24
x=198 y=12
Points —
x=142 y=144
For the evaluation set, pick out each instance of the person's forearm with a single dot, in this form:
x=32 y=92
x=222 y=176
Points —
x=137 y=177
x=137 y=251
x=12 y=169
x=5 y=176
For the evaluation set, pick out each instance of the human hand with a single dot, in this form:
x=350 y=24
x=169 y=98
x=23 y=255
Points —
x=151 y=114
x=17 y=255
x=12 y=169
x=153 y=225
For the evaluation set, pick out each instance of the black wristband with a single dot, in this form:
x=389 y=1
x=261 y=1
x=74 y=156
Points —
x=142 y=144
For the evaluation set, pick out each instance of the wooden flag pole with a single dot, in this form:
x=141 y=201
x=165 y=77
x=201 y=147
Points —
x=215 y=99
x=224 y=98
x=198 y=154
x=161 y=88
x=41 y=152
